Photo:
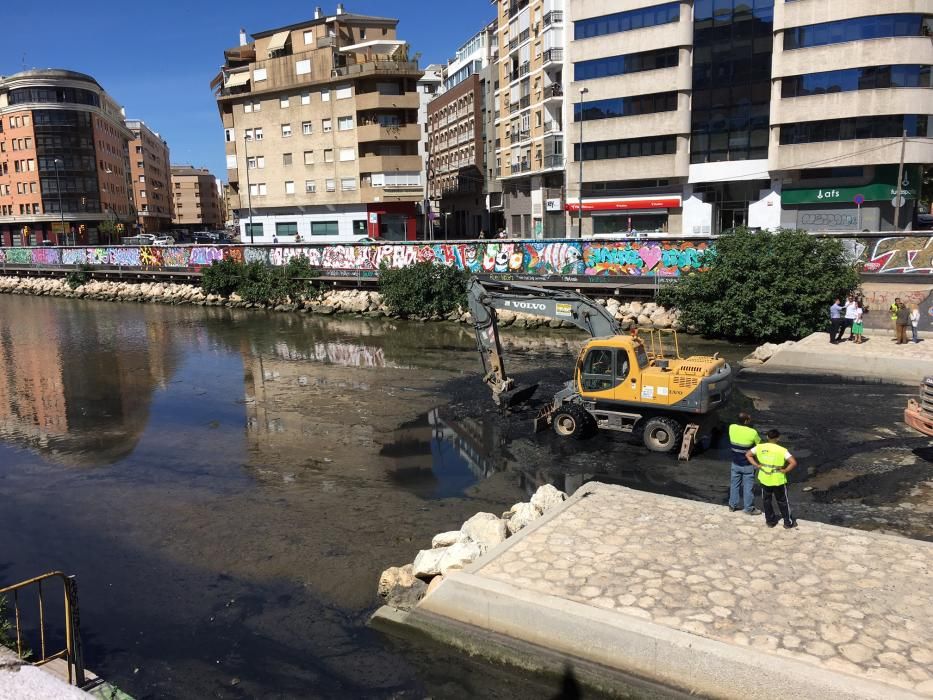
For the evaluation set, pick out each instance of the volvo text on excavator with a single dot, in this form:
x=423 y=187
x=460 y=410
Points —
x=619 y=383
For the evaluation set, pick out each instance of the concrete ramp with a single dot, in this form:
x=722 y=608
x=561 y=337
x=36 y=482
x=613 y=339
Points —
x=702 y=600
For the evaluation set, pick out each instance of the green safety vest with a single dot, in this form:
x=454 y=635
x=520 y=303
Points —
x=771 y=458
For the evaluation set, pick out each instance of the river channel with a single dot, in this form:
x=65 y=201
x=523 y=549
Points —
x=227 y=485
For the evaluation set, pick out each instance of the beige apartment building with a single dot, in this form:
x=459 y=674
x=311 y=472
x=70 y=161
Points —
x=150 y=172
x=63 y=159
x=697 y=117
x=321 y=126
x=197 y=199
x=530 y=120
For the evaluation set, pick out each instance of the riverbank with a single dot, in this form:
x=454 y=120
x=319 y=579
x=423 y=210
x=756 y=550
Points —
x=352 y=301
x=697 y=598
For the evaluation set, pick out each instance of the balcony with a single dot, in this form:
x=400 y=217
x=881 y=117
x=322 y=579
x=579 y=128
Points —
x=553 y=161
x=553 y=56
x=377 y=132
x=552 y=127
x=408 y=68
x=553 y=91
x=519 y=136
x=523 y=103
x=516 y=7
x=375 y=100
x=523 y=166
x=382 y=164
x=553 y=17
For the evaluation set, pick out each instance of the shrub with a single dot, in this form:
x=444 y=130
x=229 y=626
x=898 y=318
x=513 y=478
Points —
x=764 y=287
x=423 y=289
x=78 y=276
x=222 y=277
x=259 y=283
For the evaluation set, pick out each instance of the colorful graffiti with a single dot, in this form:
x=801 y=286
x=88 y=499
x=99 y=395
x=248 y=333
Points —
x=525 y=259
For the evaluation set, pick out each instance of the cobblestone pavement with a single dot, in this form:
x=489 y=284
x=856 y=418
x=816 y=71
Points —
x=877 y=342
x=845 y=600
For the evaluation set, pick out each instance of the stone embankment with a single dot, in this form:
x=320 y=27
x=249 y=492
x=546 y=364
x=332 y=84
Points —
x=402 y=587
x=353 y=301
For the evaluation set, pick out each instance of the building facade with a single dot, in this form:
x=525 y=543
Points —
x=64 y=167
x=430 y=86
x=150 y=173
x=692 y=118
x=196 y=199
x=530 y=126
x=320 y=120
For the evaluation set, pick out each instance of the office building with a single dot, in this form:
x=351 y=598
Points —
x=196 y=199
x=63 y=159
x=150 y=174
x=530 y=104
x=456 y=127
x=697 y=117
x=320 y=121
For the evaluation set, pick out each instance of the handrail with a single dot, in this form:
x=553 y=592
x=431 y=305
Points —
x=72 y=653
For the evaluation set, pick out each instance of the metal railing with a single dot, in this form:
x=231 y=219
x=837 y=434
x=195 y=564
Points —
x=553 y=17
x=554 y=55
x=72 y=653
x=553 y=90
x=554 y=161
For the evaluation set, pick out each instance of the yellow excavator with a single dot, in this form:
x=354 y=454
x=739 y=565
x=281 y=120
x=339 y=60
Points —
x=619 y=383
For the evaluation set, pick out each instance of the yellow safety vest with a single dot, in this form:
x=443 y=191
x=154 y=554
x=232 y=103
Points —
x=741 y=437
x=770 y=456
x=893 y=311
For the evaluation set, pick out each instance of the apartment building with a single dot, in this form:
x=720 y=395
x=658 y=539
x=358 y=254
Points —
x=150 y=173
x=530 y=106
x=692 y=118
x=429 y=87
x=196 y=199
x=320 y=121
x=457 y=135
x=64 y=165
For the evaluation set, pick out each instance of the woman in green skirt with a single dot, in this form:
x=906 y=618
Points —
x=857 y=326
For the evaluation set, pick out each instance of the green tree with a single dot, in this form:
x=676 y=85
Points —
x=423 y=289
x=764 y=287
x=259 y=283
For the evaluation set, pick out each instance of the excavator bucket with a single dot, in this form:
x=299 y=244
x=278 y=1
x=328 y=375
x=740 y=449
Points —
x=516 y=397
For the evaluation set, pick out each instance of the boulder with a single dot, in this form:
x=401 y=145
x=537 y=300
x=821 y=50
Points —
x=445 y=539
x=765 y=352
x=546 y=497
x=457 y=556
x=519 y=516
x=399 y=588
x=486 y=530
x=644 y=320
x=428 y=562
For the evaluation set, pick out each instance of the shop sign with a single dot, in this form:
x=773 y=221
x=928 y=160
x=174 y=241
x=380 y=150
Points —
x=552 y=205
x=625 y=204
x=880 y=191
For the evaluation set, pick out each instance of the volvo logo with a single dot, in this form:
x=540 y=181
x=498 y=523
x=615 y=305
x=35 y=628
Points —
x=530 y=305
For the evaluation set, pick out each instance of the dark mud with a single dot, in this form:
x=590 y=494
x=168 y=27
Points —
x=228 y=485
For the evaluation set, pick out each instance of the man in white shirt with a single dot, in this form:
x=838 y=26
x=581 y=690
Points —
x=851 y=308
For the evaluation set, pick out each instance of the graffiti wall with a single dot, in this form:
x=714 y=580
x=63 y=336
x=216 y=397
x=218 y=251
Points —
x=521 y=260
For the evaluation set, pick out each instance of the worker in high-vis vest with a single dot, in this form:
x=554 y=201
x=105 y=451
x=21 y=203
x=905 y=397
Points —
x=742 y=437
x=773 y=463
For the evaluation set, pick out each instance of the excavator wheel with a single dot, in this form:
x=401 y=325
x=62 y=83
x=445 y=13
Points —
x=662 y=434
x=571 y=421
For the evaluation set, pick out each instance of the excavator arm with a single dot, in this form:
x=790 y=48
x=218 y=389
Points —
x=485 y=298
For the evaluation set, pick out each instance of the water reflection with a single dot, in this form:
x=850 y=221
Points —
x=77 y=387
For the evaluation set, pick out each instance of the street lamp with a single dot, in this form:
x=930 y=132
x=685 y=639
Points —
x=249 y=195
x=583 y=92
x=58 y=186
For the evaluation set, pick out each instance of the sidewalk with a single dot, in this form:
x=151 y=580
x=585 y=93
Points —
x=878 y=359
x=697 y=598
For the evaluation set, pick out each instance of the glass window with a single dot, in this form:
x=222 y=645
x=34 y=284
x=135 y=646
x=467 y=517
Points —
x=286 y=228
x=851 y=79
x=887 y=126
x=327 y=125
x=286 y=130
x=626 y=21
x=286 y=159
x=252 y=229
x=597 y=370
x=310 y=187
x=622 y=65
x=303 y=67
x=324 y=228
x=348 y=184
x=309 y=157
x=330 y=185
x=306 y=128
x=857 y=29
x=344 y=92
x=626 y=148
x=344 y=123
x=625 y=106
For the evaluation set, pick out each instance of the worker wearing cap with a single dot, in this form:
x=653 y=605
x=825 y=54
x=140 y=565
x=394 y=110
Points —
x=773 y=464
x=742 y=437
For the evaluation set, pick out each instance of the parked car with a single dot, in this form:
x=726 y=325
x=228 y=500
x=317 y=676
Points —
x=164 y=240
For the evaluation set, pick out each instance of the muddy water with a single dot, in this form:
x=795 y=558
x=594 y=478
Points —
x=227 y=486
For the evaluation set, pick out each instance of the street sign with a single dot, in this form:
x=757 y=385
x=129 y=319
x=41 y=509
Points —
x=859 y=199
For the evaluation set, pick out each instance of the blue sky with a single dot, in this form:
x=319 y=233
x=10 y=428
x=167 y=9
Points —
x=157 y=59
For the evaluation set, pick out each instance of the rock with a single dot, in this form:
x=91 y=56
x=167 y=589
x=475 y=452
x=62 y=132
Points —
x=435 y=582
x=635 y=308
x=765 y=352
x=644 y=320
x=445 y=539
x=519 y=516
x=428 y=562
x=399 y=587
x=457 y=556
x=546 y=497
x=486 y=530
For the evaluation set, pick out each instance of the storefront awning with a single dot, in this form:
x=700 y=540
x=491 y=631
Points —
x=237 y=79
x=277 y=42
x=627 y=203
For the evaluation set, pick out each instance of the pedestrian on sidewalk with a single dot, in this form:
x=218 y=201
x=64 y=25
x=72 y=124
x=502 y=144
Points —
x=903 y=320
x=849 y=320
x=914 y=322
x=773 y=464
x=835 y=321
x=893 y=309
x=857 y=326
x=742 y=437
